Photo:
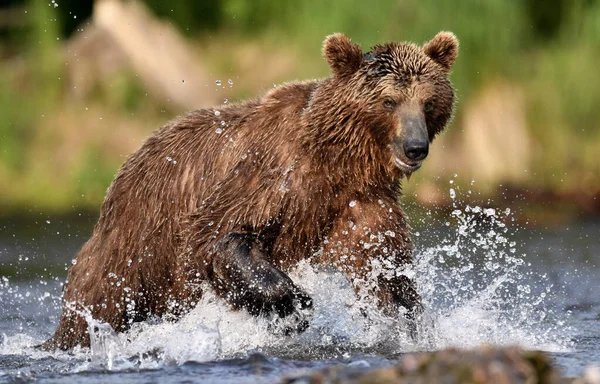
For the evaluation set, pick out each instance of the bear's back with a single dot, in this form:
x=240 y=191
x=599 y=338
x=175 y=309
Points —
x=183 y=164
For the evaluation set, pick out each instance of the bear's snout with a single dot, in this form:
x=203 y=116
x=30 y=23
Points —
x=411 y=146
x=416 y=150
x=415 y=140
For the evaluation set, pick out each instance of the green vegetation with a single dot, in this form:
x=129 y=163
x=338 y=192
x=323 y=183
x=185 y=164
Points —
x=57 y=153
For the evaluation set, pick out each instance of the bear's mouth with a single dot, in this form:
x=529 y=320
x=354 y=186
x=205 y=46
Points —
x=407 y=167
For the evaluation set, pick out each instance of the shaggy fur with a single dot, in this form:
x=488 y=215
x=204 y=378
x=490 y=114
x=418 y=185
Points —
x=237 y=195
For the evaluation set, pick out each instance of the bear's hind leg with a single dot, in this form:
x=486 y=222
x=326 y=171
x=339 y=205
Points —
x=71 y=331
x=246 y=279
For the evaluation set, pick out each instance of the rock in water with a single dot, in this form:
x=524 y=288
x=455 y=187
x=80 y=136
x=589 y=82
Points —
x=481 y=365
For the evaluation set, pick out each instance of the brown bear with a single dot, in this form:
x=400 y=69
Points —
x=237 y=195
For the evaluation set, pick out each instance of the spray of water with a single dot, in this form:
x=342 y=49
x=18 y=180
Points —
x=475 y=285
x=480 y=290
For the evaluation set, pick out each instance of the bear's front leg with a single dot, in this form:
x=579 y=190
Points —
x=370 y=242
x=246 y=279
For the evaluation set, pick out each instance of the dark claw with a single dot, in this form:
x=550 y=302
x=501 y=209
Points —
x=293 y=311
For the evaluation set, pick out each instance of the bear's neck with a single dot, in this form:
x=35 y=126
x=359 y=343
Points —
x=341 y=146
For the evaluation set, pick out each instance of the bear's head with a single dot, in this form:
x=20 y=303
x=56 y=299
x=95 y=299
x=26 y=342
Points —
x=397 y=96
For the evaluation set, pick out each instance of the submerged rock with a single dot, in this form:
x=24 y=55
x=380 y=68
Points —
x=481 y=365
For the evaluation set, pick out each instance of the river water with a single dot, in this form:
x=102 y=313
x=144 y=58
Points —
x=484 y=278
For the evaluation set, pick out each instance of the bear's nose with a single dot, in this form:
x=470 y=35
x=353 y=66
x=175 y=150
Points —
x=416 y=150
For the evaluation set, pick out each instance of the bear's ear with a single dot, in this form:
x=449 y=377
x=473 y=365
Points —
x=443 y=49
x=343 y=56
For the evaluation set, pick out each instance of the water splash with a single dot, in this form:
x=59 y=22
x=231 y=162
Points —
x=482 y=292
x=474 y=282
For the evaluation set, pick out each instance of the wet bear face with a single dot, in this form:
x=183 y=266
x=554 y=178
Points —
x=400 y=92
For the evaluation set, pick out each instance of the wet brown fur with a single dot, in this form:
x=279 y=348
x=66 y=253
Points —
x=307 y=168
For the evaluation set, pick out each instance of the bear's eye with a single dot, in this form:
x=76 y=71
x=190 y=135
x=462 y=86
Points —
x=389 y=104
x=428 y=107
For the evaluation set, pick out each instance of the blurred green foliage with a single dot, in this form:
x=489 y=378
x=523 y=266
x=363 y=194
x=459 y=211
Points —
x=549 y=48
x=28 y=89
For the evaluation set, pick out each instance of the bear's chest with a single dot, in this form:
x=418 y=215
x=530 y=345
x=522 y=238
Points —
x=308 y=212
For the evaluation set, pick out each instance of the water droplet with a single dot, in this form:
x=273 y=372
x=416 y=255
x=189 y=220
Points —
x=169 y=158
x=225 y=101
x=218 y=82
x=452 y=193
x=217 y=113
x=489 y=211
x=218 y=131
x=352 y=203
x=230 y=82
